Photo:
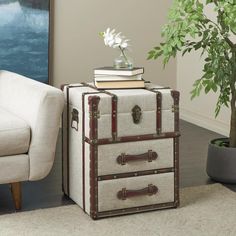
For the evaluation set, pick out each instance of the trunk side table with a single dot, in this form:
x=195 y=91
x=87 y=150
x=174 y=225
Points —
x=121 y=149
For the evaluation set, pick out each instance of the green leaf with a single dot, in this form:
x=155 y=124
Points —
x=214 y=87
x=184 y=52
x=101 y=34
x=207 y=89
x=198 y=45
x=179 y=44
x=207 y=59
x=217 y=110
x=150 y=57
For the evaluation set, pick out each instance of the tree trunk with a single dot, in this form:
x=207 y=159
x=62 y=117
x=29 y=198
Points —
x=232 y=136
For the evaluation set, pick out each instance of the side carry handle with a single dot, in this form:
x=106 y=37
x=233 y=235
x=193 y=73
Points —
x=74 y=124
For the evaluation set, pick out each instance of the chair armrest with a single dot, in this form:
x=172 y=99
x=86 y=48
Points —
x=41 y=107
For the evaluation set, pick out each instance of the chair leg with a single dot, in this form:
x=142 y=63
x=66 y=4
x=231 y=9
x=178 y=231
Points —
x=16 y=194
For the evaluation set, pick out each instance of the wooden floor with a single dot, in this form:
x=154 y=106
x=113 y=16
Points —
x=47 y=193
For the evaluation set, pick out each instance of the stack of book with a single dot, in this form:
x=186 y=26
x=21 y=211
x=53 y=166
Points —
x=110 y=78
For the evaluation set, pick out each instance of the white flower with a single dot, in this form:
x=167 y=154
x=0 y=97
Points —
x=109 y=38
x=118 y=40
x=114 y=40
x=124 y=44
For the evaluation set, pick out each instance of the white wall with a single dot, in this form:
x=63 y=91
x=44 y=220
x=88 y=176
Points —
x=78 y=48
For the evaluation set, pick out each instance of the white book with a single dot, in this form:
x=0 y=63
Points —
x=111 y=71
x=120 y=84
x=116 y=77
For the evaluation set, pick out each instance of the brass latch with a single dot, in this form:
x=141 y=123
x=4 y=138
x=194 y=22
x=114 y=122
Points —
x=175 y=108
x=136 y=114
x=94 y=114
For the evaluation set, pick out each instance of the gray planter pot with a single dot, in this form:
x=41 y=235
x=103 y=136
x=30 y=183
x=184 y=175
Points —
x=221 y=163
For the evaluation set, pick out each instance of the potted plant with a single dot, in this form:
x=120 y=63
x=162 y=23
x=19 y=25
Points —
x=189 y=28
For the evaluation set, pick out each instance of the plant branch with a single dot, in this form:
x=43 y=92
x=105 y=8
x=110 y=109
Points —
x=230 y=43
x=233 y=33
x=222 y=24
x=217 y=26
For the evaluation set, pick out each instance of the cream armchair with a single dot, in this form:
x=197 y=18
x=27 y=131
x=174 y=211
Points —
x=29 y=122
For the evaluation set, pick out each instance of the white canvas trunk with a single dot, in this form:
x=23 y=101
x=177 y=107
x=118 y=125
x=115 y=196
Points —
x=120 y=149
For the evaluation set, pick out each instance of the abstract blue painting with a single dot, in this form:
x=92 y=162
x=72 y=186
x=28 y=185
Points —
x=24 y=37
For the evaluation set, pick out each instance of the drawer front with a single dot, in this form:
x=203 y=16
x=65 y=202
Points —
x=135 y=156
x=135 y=191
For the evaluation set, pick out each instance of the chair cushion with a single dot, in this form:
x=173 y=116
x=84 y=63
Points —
x=14 y=134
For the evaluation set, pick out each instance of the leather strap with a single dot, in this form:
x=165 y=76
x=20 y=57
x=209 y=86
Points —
x=159 y=105
x=114 y=117
x=176 y=94
x=114 y=100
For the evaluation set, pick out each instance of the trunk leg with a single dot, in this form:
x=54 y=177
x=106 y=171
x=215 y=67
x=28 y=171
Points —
x=16 y=194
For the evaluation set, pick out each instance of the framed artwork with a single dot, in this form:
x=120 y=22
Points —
x=24 y=37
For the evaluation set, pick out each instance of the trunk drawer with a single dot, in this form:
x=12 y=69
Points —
x=135 y=156
x=109 y=190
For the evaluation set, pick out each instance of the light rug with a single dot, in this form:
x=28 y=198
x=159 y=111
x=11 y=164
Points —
x=205 y=210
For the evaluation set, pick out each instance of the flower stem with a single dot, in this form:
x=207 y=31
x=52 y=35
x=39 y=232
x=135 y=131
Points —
x=122 y=51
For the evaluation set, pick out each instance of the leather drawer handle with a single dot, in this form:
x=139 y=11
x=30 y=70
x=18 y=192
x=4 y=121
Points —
x=124 y=193
x=148 y=156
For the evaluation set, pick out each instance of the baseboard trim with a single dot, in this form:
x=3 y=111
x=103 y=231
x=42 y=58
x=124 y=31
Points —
x=204 y=121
